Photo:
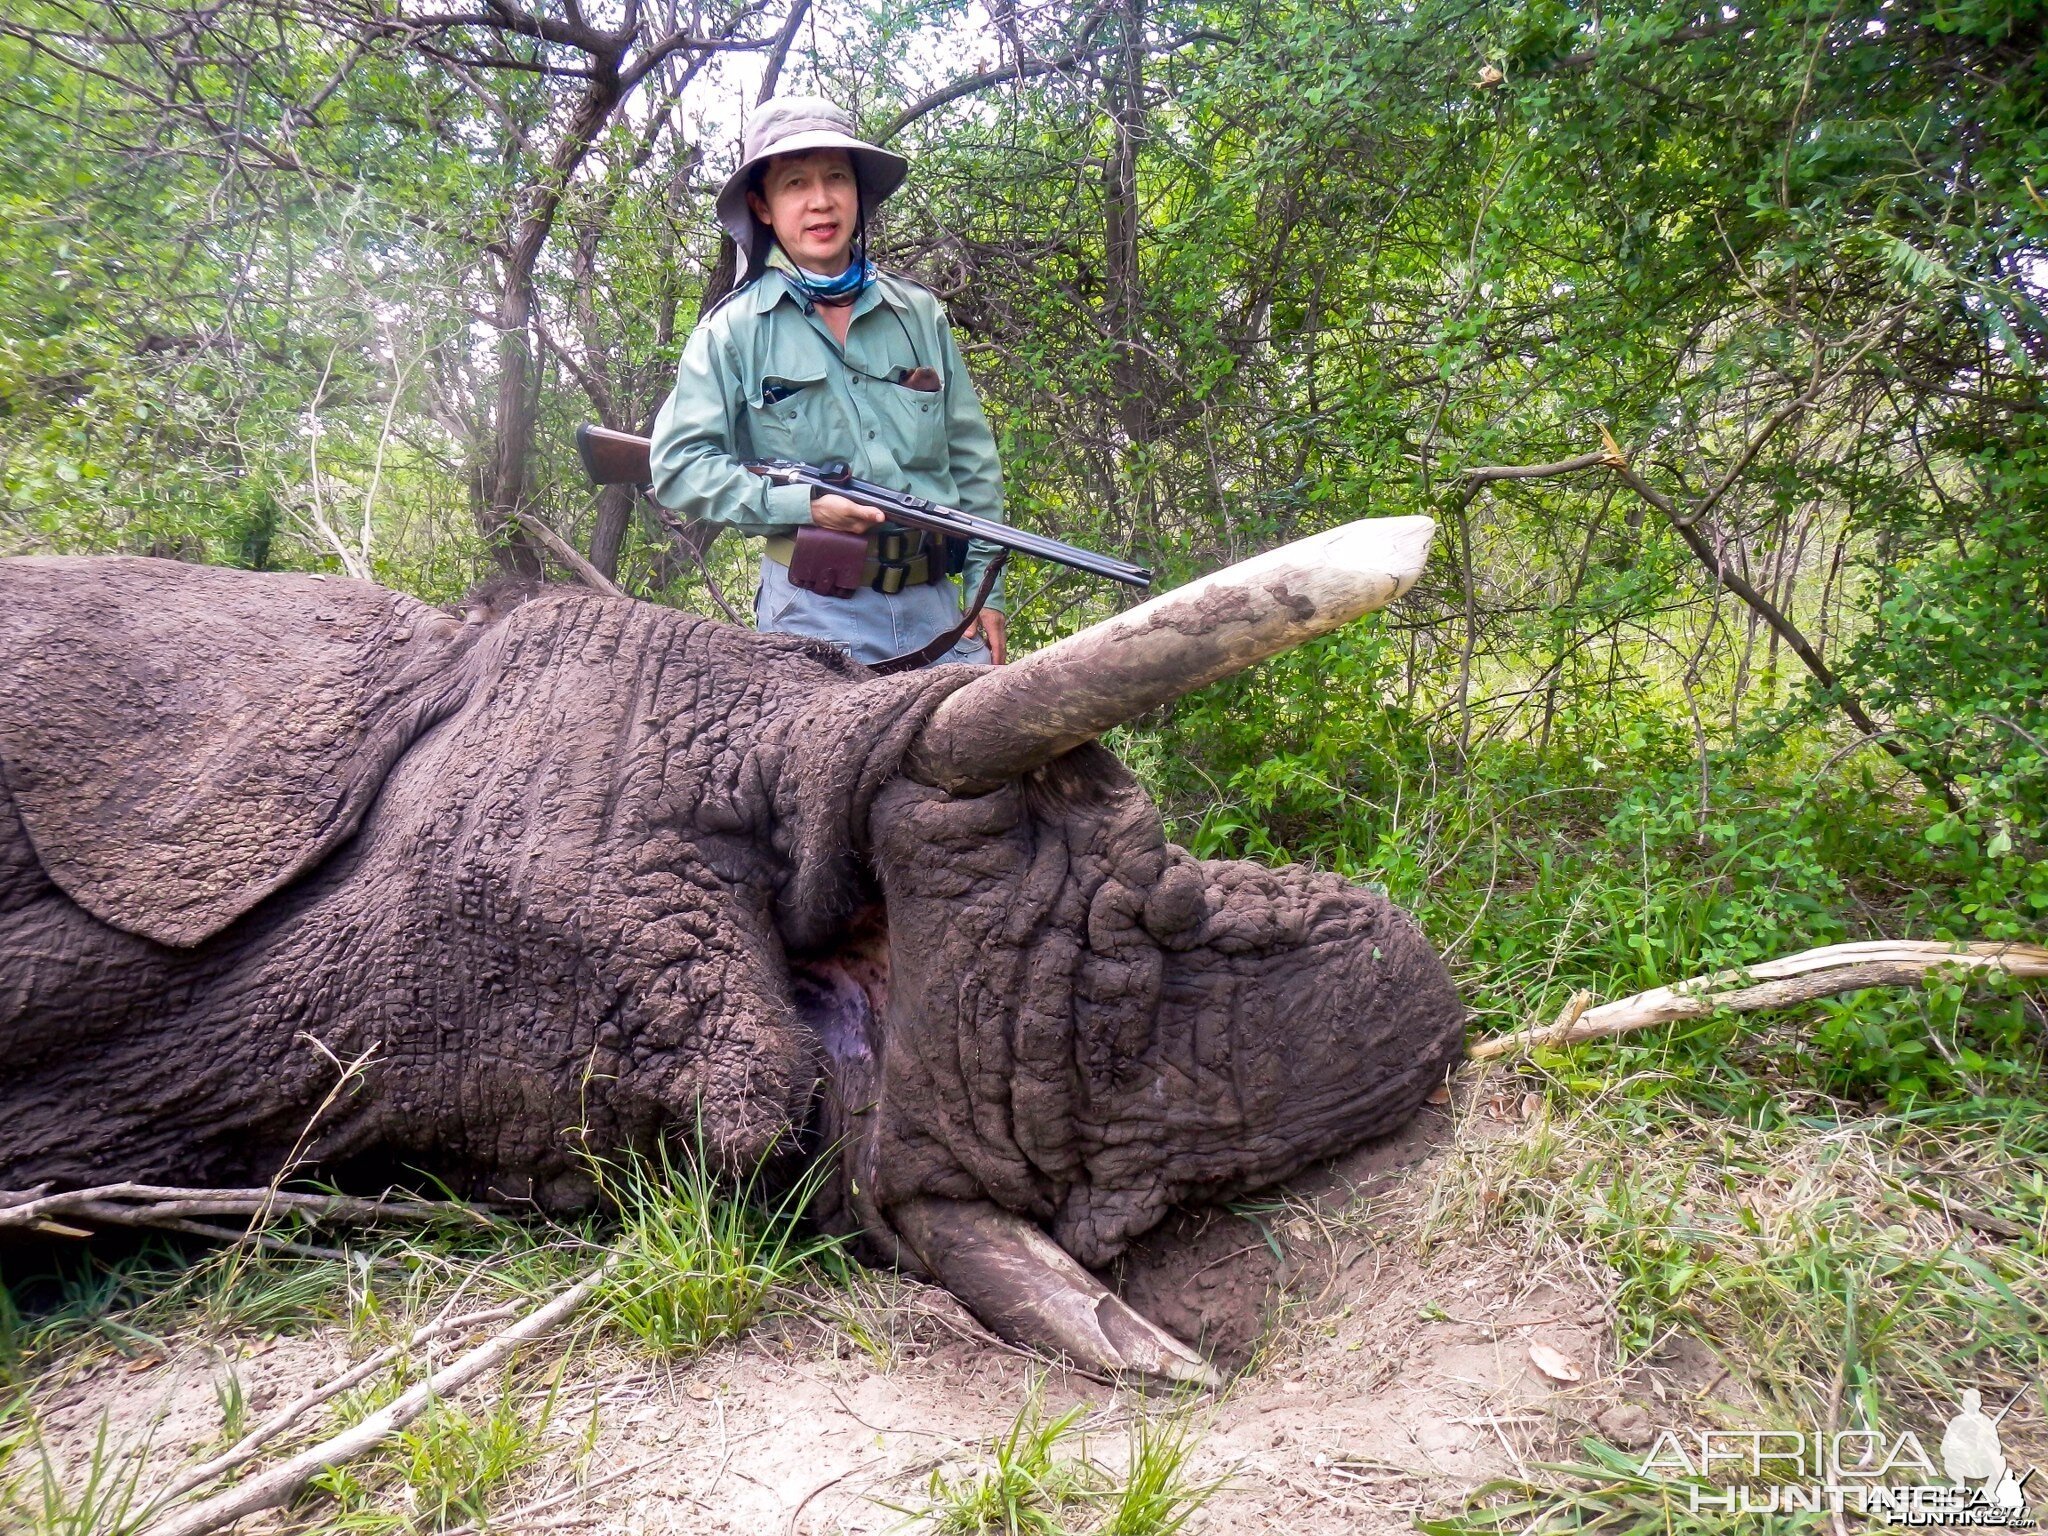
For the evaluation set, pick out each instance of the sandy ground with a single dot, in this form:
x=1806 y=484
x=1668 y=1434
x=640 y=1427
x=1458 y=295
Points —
x=1372 y=1384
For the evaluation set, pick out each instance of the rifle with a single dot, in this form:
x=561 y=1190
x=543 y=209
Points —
x=620 y=458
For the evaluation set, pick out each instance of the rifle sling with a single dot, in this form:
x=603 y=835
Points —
x=932 y=650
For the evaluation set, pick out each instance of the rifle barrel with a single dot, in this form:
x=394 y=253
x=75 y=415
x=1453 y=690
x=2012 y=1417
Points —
x=917 y=511
x=612 y=457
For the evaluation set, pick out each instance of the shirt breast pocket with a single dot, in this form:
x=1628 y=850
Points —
x=789 y=416
x=915 y=420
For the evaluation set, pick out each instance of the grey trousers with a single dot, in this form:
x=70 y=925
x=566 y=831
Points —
x=870 y=625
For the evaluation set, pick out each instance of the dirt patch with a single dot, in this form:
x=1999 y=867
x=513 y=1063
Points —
x=1222 y=1278
x=1381 y=1383
x=1212 y=1278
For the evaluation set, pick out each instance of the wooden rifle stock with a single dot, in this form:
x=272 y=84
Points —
x=613 y=458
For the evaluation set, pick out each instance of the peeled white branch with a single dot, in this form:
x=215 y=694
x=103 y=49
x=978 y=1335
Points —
x=1800 y=978
x=251 y=1445
x=276 y=1487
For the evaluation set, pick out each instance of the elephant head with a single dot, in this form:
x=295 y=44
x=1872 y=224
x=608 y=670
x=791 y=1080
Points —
x=570 y=874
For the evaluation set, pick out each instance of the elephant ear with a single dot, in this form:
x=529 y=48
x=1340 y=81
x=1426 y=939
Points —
x=181 y=741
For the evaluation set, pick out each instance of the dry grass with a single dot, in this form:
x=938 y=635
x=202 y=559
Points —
x=1847 y=1269
x=1850 y=1269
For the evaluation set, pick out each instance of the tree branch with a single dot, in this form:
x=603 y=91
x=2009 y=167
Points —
x=1800 y=978
x=1789 y=411
x=1490 y=472
x=661 y=50
x=1028 y=69
x=565 y=552
x=273 y=1489
x=771 y=73
x=251 y=1444
x=157 y=1205
x=1687 y=525
x=597 y=389
x=1726 y=575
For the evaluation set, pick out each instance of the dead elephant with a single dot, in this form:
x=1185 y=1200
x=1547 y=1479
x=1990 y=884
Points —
x=575 y=870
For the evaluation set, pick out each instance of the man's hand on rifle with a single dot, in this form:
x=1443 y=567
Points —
x=989 y=628
x=841 y=515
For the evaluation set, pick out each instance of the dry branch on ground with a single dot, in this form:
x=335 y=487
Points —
x=253 y=1443
x=178 y=1209
x=1800 y=978
x=277 y=1486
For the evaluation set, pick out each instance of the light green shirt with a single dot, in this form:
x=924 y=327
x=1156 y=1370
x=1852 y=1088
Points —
x=761 y=378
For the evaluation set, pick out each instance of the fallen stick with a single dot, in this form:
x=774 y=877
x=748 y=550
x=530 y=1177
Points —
x=272 y=1489
x=565 y=552
x=1800 y=978
x=251 y=1444
x=269 y=1242
x=1967 y=1215
x=158 y=1205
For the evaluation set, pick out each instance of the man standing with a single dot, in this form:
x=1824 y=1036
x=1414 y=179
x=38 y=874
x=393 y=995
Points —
x=818 y=356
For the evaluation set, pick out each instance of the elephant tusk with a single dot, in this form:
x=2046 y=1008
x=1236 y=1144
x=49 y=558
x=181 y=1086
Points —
x=1016 y=718
x=1030 y=1291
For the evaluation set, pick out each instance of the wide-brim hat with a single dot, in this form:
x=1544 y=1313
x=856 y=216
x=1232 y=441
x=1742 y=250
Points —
x=791 y=125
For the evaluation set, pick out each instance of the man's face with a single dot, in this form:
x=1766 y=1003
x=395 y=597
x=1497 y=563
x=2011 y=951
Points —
x=811 y=201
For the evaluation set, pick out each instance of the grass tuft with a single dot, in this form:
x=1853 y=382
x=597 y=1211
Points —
x=442 y=1471
x=1023 y=1485
x=42 y=1498
x=699 y=1262
x=1029 y=1483
x=452 y=1460
x=1846 y=1269
x=1156 y=1497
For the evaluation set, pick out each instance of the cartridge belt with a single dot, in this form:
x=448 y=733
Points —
x=897 y=558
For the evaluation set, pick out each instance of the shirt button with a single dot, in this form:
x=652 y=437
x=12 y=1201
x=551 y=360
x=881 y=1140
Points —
x=871 y=435
x=856 y=381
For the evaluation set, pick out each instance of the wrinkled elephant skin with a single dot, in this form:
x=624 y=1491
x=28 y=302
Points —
x=570 y=874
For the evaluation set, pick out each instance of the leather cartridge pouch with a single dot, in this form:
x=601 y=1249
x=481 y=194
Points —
x=828 y=562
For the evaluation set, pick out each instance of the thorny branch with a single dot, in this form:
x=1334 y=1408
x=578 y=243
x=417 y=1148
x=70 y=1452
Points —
x=1687 y=523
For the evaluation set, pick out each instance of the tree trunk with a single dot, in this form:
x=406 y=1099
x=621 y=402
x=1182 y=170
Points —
x=512 y=426
x=1124 y=302
x=614 y=516
x=516 y=408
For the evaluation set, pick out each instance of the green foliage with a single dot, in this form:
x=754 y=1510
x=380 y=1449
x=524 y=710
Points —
x=1828 y=1257
x=104 y=1498
x=125 y=1305
x=699 y=1262
x=445 y=1467
x=1617 y=869
x=1025 y=1484
x=1038 y=1479
x=1156 y=1496
x=1959 y=659
x=452 y=1460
